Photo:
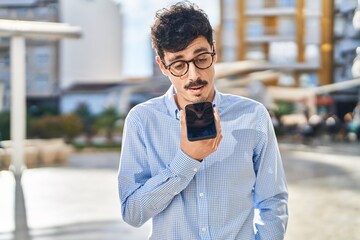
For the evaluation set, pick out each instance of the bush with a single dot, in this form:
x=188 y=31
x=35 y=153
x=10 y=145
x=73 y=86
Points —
x=284 y=108
x=4 y=125
x=65 y=126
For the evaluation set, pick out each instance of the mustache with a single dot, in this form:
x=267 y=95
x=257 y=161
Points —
x=197 y=83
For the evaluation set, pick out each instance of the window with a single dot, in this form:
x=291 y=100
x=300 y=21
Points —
x=229 y=37
x=314 y=5
x=287 y=3
x=229 y=54
x=286 y=79
x=286 y=26
x=21 y=13
x=308 y=80
x=312 y=53
x=254 y=4
x=230 y=9
x=42 y=56
x=4 y=13
x=42 y=82
x=283 y=52
x=255 y=52
x=255 y=27
x=313 y=30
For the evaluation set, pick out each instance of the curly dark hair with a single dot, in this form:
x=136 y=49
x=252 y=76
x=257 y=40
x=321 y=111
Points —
x=176 y=27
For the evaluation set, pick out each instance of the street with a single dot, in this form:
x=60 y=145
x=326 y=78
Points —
x=324 y=190
x=80 y=201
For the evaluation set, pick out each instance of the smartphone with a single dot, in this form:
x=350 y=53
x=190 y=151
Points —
x=200 y=121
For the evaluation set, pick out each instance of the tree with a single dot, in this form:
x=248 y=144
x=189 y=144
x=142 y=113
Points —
x=87 y=120
x=106 y=121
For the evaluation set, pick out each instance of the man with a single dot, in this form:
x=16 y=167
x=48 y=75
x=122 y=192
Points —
x=206 y=189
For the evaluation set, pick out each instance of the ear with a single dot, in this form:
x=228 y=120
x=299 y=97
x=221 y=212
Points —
x=161 y=66
x=215 y=56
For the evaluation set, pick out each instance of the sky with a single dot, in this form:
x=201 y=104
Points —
x=138 y=16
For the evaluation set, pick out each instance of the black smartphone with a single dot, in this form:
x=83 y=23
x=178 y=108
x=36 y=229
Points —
x=200 y=121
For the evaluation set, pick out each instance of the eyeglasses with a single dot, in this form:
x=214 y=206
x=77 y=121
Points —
x=181 y=67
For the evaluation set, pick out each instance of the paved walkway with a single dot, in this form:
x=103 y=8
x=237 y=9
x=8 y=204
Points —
x=80 y=201
x=324 y=190
x=76 y=202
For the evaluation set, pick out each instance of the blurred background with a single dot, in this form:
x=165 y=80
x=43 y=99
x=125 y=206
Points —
x=298 y=57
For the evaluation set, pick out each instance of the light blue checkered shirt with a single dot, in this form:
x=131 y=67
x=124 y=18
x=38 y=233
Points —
x=217 y=198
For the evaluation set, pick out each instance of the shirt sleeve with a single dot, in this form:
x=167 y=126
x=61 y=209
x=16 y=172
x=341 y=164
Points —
x=142 y=195
x=271 y=194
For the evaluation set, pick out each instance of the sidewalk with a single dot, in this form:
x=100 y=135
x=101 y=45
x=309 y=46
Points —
x=322 y=146
x=7 y=204
x=80 y=201
x=68 y=203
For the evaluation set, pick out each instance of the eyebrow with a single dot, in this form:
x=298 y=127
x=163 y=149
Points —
x=199 y=50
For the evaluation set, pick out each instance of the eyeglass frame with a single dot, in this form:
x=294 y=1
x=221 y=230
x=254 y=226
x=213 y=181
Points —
x=167 y=67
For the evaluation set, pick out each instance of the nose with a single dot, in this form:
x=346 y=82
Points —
x=193 y=72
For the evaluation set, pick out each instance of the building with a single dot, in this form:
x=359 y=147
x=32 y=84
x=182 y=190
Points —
x=310 y=42
x=346 y=40
x=293 y=36
x=42 y=79
x=97 y=56
x=93 y=64
x=54 y=67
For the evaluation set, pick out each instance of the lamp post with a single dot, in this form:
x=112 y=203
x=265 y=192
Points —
x=356 y=63
x=355 y=69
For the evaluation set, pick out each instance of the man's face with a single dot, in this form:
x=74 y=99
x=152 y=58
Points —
x=197 y=85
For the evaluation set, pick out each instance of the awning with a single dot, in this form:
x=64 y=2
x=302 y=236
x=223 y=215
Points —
x=340 y=86
x=43 y=30
x=226 y=69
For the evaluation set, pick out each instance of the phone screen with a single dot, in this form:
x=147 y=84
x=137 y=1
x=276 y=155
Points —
x=200 y=121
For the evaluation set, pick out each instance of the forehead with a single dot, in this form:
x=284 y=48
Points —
x=199 y=45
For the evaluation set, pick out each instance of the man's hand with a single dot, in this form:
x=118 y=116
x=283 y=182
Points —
x=202 y=148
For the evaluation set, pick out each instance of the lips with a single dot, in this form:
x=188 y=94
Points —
x=196 y=88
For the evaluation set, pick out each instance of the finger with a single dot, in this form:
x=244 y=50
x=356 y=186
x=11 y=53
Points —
x=183 y=124
x=217 y=120
x=219 y=136
x=217 y=140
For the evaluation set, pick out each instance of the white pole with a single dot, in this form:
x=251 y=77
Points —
x=1 y=97
x=18 y=103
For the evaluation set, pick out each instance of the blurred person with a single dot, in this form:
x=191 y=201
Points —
x=355 y=124
x=347 y=131
x=317 y=124
x=232 y=186
x=333 y=127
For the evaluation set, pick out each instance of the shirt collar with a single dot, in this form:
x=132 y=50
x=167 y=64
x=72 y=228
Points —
x=171 y=104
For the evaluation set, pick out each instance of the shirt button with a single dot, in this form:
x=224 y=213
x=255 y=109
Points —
x=201 y=194
x=203 y=229
x=195 y=169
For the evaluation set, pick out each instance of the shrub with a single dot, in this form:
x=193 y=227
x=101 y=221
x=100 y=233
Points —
x=4 y=125
x=65 y=126
x=106 y=121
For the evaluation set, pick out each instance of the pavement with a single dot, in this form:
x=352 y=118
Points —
x=74 y=202
x=79 y=201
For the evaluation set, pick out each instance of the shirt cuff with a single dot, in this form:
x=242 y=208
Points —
x=183 y=165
